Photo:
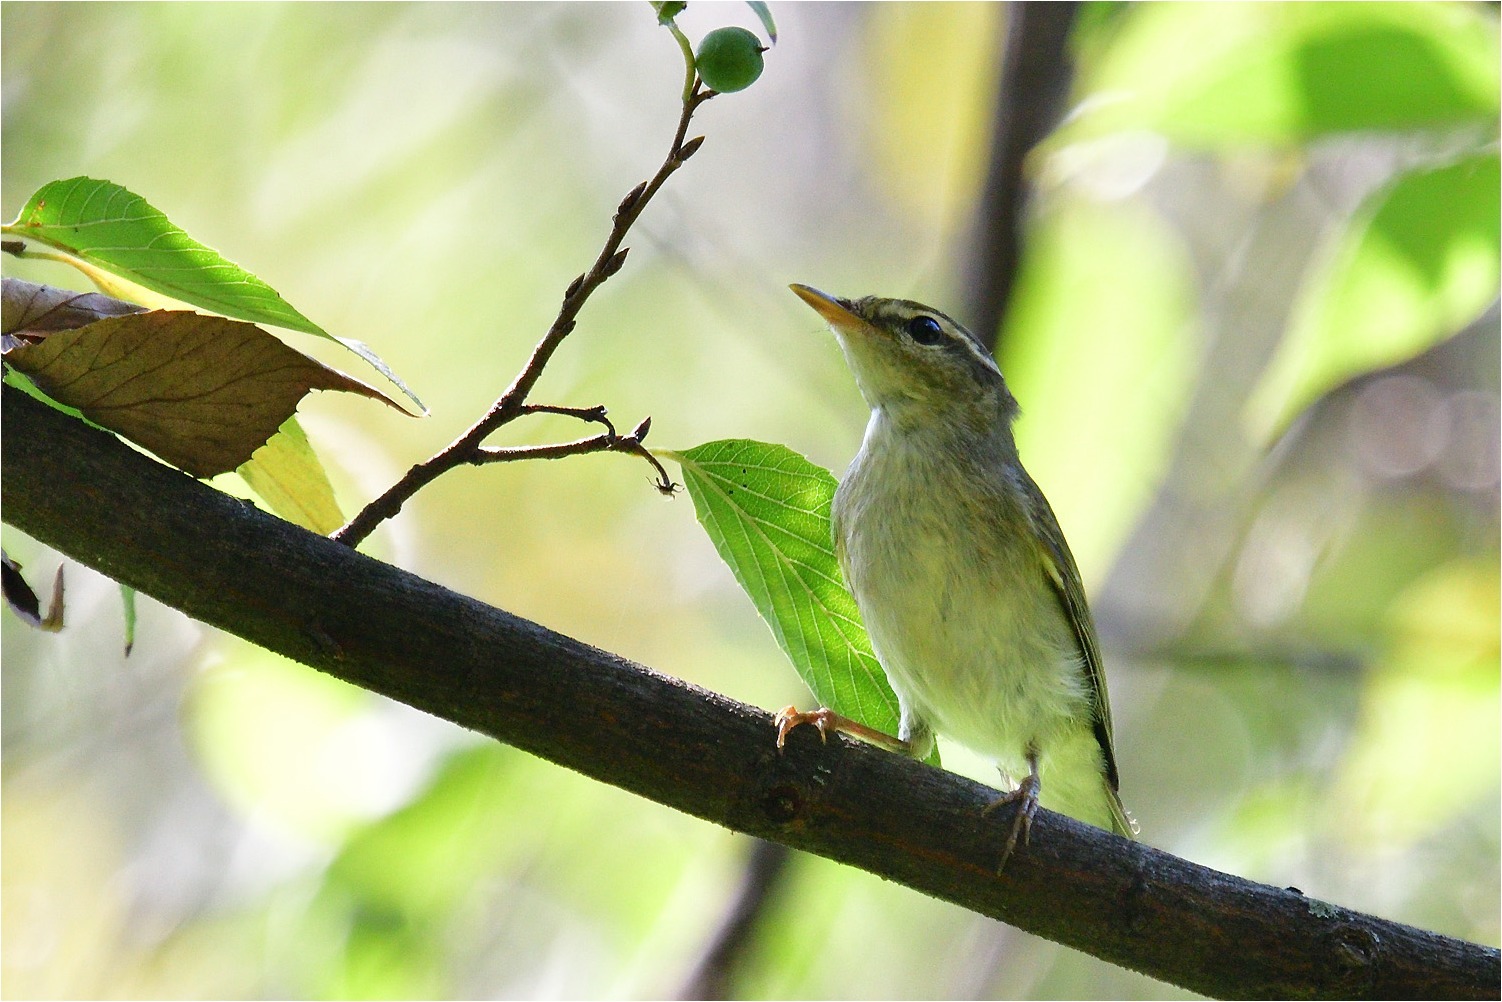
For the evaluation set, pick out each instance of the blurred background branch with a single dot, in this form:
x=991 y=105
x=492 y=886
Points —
x=1031 y=94
x=714 y=975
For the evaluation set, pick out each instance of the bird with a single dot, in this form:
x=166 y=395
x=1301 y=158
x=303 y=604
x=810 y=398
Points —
x=964 y=580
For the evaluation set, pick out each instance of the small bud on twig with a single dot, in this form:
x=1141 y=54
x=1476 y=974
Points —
x=630 y=199
x=614 y=264
x=690 y=148
x=640 y=432
x=573 y=287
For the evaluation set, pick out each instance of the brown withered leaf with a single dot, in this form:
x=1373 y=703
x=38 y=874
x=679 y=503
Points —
x=29 y=312
x=202 y=392
x=23 y=601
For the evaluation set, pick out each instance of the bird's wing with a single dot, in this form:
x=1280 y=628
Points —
x=1058 y=564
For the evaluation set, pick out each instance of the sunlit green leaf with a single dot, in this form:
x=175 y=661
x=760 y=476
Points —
x=116 y=229
x=1214 y=75
x=113 y=234
x=287 y=474
x=1417 y=265
x=766 y=509
x=14 y=379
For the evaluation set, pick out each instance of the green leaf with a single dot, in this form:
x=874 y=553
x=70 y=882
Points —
x=766 y=509
x=128 y=609
x=109 y=226
x=287 y=474
x=14 y=379
x=109 y=229
x=1225 y=75
x=1419 y=262
x=765 y=14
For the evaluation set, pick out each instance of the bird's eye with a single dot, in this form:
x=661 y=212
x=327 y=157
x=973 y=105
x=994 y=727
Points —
x=924 y=330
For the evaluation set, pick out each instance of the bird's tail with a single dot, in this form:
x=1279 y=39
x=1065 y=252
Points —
x=1122 y=823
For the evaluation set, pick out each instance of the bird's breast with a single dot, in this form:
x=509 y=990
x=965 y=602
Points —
x=938 y=553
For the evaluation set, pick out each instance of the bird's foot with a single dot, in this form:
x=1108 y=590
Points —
x=827 y=720
x=1026 y=799
x=790 y=716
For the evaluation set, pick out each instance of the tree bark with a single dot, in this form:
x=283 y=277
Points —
x=236 y=568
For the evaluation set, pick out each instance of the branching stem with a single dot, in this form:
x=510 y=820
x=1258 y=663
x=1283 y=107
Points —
x=512 y=404
x=608 y=442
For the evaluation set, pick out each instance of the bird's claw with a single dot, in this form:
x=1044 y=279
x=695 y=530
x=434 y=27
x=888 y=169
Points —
x=790 y=716
x=1026 y=799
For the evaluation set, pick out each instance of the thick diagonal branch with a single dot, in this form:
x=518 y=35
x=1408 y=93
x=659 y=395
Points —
x=324 y=604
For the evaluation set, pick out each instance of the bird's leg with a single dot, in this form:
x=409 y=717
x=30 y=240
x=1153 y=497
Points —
x=1026 y=799
x=827 y=720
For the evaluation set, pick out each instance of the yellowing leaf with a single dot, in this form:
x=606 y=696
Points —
x=287 y=475
x=202 y=392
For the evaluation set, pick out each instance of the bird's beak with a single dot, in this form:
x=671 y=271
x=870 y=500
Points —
x=836 y=312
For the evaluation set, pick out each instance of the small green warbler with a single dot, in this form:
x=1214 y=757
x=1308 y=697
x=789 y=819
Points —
x=961 y=573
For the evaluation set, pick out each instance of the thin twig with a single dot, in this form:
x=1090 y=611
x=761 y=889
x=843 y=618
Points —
x=595 y=414
x=558 y=450
x=609 y=442
x=467 y=449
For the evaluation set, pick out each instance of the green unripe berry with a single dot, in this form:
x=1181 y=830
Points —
x=729 y=59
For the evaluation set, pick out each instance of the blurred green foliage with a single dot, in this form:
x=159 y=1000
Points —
x=1302 y=643
x=1418 y=264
